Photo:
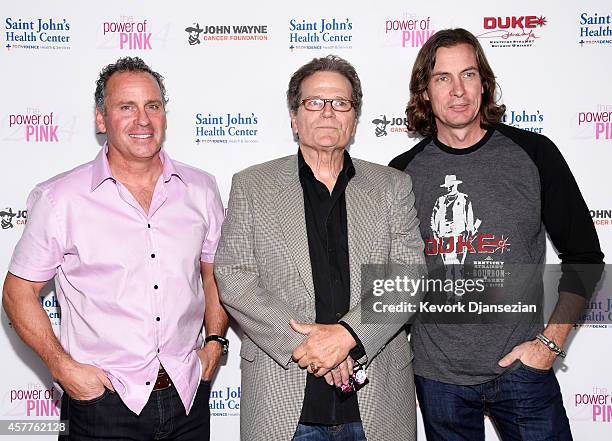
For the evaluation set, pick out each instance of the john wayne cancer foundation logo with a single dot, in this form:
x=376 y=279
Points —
x=384 y=126
x=10 y=218
x=512 y=31
x=219 y=33
x=601 y=218
x=37 y=33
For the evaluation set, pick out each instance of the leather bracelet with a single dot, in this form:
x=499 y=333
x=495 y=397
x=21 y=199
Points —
x=551 y=345
x=223 y=341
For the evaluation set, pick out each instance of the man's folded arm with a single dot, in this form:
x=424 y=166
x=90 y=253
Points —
x=405 y=260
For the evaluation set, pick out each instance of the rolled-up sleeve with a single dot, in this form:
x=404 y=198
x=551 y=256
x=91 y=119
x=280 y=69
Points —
x=215 y=213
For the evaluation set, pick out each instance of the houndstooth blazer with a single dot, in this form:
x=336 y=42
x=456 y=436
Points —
x=264 y=274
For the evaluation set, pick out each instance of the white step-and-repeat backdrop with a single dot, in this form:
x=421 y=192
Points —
x=227 y=111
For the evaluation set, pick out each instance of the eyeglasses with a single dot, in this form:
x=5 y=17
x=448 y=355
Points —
x=338 y=104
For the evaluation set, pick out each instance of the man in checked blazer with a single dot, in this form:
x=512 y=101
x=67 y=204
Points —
x=289 y=269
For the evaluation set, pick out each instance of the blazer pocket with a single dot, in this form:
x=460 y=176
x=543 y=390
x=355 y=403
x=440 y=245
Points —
x=402 y=354
x=248 y=349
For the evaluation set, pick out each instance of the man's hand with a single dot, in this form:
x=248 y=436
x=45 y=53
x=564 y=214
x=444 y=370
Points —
x=325 y=347
x=340 y=374
x=531 y=353
x=83 y=381
x=210 y=355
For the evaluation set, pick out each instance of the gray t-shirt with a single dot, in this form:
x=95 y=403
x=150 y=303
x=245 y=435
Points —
x=485 y=210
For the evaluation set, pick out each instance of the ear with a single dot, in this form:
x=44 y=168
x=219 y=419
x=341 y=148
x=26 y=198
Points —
x=294 y=127
x=425 y=95
x=100 y=124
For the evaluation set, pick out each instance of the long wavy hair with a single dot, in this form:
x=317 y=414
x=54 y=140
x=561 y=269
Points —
x=419 y=114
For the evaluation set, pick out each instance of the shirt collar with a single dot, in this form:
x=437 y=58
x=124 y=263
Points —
x=169 y=167
x=101 y=169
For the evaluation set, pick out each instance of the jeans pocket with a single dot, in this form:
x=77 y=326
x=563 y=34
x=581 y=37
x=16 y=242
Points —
x=535 y=370
x=93 y=400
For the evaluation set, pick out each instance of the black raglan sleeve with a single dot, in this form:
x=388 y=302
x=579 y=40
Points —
x=564 y=214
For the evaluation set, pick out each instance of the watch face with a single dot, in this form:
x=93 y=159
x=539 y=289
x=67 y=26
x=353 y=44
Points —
x=360 y=376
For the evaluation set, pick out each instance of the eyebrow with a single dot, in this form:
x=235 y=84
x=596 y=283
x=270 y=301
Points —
x=132 y=103
x=337 y=97
x=433 y=74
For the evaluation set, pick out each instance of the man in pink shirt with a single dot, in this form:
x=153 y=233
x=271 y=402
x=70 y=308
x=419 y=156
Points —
x=129 y=239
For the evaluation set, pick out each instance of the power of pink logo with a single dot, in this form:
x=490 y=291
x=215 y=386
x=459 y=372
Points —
x=37 y=127
x=600 y=121
x=38 y=401
x=599 y=403
x=132 y=34
x=413 y=31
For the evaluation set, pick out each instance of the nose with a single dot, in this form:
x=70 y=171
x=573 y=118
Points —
x=142 y=118
x=458 y=88
x=328 y=110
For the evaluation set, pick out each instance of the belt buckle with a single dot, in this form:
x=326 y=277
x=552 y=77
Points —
x=163 y=381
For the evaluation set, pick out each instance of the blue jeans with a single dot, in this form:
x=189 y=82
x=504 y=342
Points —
x=163 y=417
x=523 y=404
x=341 y=432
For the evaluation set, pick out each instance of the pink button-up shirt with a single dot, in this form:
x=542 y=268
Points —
x=128 y=282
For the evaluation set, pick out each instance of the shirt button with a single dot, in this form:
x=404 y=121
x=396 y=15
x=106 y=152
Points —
x=158 y=350
x=148 y=225
x=157 y=318
x=147 y=383
x=155 y=286
x=152 y=256
x=338 y=316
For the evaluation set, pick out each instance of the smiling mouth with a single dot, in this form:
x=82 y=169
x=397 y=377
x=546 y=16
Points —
x=144 y=136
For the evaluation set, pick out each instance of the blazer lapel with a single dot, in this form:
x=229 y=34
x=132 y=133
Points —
x=291 y=218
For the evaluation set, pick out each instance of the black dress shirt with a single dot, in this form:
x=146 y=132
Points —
x=326 y=227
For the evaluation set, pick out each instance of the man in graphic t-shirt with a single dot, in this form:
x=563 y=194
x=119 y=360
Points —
x=500 y=368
